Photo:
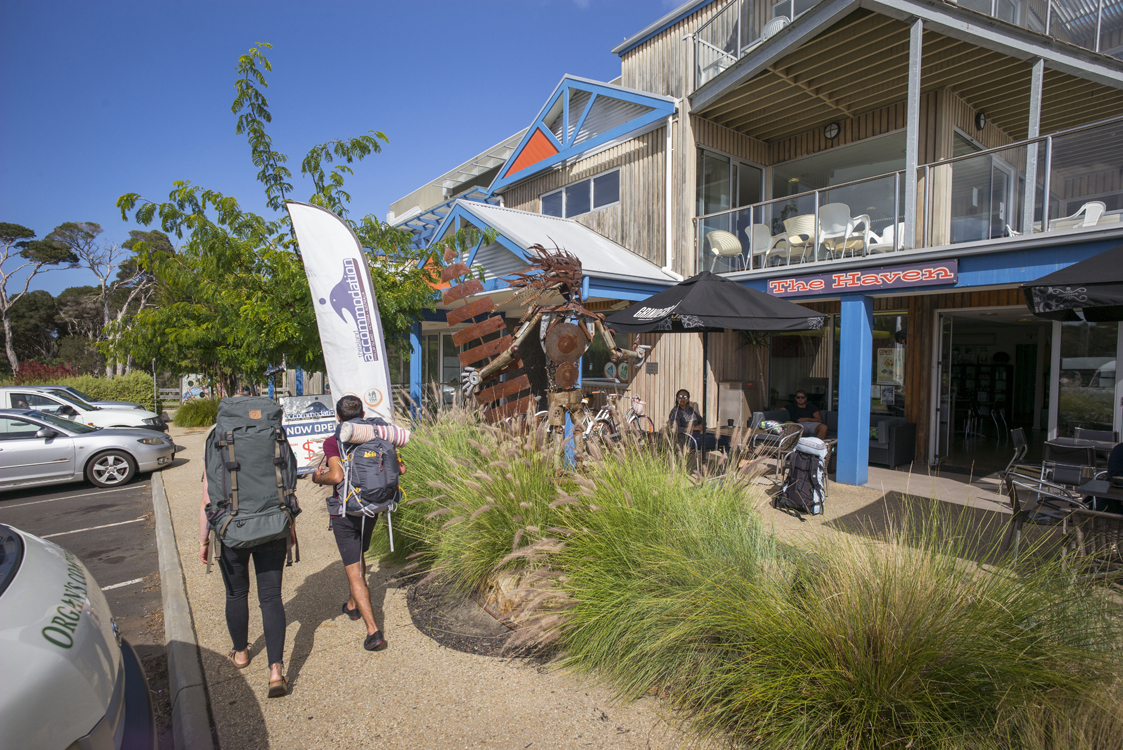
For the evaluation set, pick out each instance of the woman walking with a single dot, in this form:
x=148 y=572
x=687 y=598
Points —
x=268 y=564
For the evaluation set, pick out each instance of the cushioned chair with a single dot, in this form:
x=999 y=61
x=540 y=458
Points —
x=895 y=443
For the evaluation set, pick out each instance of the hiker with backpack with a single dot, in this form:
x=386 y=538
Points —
x=363 y=467
x=248 y=511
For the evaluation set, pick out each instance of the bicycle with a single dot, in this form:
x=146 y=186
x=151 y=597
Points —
x=605 y=425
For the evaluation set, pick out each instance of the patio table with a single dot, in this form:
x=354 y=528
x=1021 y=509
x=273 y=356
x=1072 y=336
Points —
x=1101 y=488
x=1103 y=447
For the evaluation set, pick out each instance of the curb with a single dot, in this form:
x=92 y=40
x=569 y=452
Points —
x=191 y=725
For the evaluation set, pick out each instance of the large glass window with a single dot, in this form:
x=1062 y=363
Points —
x=1087 y=377
x=887 y=378
x=799 y=361
x=866 y=158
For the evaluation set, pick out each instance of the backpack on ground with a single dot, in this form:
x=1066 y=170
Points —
x=371 y=472
x=805 y=485
x=251 y=475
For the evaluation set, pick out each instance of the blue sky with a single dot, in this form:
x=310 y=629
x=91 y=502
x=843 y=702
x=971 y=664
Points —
x=105 y=98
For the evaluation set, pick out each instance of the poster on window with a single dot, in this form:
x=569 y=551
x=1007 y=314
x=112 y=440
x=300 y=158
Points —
x=890 y=364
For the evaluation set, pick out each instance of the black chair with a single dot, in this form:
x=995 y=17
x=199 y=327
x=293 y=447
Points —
x=1021 y=448
x=1069 y=474
x=1107 y=436
x=1096 y=539
x=1038 y=502
x=1073 y=455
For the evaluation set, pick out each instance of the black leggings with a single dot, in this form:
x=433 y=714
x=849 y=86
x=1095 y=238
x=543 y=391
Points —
x=268 y=564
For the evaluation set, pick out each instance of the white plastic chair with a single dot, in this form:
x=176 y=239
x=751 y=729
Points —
x=725 y=245
x=839 y=231
x=762 y=245
x=1090 y=211
x=889 y=241
x=803 y=236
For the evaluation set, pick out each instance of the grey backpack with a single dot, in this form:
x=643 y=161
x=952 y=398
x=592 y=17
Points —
x=251 y=475
x=371 y=473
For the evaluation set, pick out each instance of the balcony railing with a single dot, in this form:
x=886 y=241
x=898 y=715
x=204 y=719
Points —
x=741 y=25
x=970 y=198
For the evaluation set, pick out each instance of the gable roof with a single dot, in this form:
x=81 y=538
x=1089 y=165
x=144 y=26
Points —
x=579 y=117
x=600 y=257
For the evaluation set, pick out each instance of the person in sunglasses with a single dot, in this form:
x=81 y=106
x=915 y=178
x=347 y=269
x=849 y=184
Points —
x=807 y=415
x=685 y=420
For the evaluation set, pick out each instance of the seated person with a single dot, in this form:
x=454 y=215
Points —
x=807 y=415
x=685 y=420
x=1114 y=469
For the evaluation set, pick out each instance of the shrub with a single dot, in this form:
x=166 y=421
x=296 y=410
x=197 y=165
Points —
x=136 y=387
x=200 y=412
x=36 y=373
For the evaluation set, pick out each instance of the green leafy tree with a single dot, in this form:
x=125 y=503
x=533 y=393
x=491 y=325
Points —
x=17 y=244
x=234 y=299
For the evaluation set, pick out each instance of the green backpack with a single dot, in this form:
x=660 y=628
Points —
x=251 y=475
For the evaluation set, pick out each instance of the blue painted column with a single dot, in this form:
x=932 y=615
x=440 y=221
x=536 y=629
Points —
x=854 y=379
x=299 y=381
x=416 y=356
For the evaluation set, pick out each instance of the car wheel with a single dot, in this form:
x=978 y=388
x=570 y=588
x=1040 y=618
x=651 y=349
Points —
x=110 y=469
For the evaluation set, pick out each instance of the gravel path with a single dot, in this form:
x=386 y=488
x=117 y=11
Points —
x=414 y=694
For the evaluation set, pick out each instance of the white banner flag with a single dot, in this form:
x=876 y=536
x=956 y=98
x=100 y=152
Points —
x=346 y=310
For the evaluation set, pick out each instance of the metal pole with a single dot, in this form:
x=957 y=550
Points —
x=896 y=210
x=815 y=231
x=155 y=389
x=1099 y=23
x=912 y=142
x=1049 y=18
x=1045 y=186
x=927 y=202
x=1030 y=200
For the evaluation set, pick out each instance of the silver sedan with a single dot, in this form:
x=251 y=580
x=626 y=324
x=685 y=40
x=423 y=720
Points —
x=38 y=448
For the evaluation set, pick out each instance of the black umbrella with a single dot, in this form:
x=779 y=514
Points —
x=707 y=302
x=1090 y=290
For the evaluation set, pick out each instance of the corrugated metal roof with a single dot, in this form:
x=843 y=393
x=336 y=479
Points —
x=599 y=255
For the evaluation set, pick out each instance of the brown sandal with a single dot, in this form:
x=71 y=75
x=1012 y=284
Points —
x=278 y=688
x=234 y=661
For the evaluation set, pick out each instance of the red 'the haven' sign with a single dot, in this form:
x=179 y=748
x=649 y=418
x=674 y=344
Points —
x=867 y=279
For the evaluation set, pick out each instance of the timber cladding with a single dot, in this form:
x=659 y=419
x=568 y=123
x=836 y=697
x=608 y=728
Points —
x=661 y=65
x=637 y=222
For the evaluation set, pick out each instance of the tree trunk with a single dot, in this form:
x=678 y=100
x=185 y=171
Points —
x=9 y=348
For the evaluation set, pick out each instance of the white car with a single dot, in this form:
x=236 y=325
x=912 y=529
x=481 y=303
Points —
x=70 y=680
x=83 y=397
x=67 y=406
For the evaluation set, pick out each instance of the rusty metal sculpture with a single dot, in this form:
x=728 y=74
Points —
x=566 y=329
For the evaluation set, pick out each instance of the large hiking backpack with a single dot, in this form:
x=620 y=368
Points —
x=371 y=472
x=251 y=474
x=805 y=484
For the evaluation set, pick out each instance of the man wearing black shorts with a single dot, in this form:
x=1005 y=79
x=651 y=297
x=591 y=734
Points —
x=352 y=532
x=807 y=415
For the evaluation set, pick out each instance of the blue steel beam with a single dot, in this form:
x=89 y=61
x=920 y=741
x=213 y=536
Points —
x=416 y=355
x=855 y=369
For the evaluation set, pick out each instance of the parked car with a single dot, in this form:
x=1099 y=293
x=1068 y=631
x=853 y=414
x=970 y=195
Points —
x=70 y=407
x=71 y=680
x=40 y=448
x=93 y=401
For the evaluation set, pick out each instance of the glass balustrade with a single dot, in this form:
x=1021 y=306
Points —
x=978 y=197
x=741 y=25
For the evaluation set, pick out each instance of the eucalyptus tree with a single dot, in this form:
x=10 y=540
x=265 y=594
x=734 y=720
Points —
x=22 y=255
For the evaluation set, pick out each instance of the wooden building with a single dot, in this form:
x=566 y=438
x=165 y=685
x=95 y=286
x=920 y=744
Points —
x=901 y=165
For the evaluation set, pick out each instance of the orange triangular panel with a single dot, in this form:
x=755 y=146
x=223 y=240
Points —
x=539 y=147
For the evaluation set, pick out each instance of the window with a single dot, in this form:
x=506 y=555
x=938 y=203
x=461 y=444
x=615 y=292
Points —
x=13 y=428
x=584 y=196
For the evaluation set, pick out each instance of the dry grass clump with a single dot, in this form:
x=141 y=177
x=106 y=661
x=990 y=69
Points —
x=656 y=580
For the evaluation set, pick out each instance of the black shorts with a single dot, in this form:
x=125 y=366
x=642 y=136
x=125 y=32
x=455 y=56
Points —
x=352 y=536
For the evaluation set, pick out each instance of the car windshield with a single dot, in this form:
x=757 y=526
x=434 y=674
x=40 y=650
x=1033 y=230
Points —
x=74 y=400
x=75 y=393
x=63 y=424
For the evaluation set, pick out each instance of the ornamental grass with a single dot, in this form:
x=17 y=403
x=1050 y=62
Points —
x=645 y=576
